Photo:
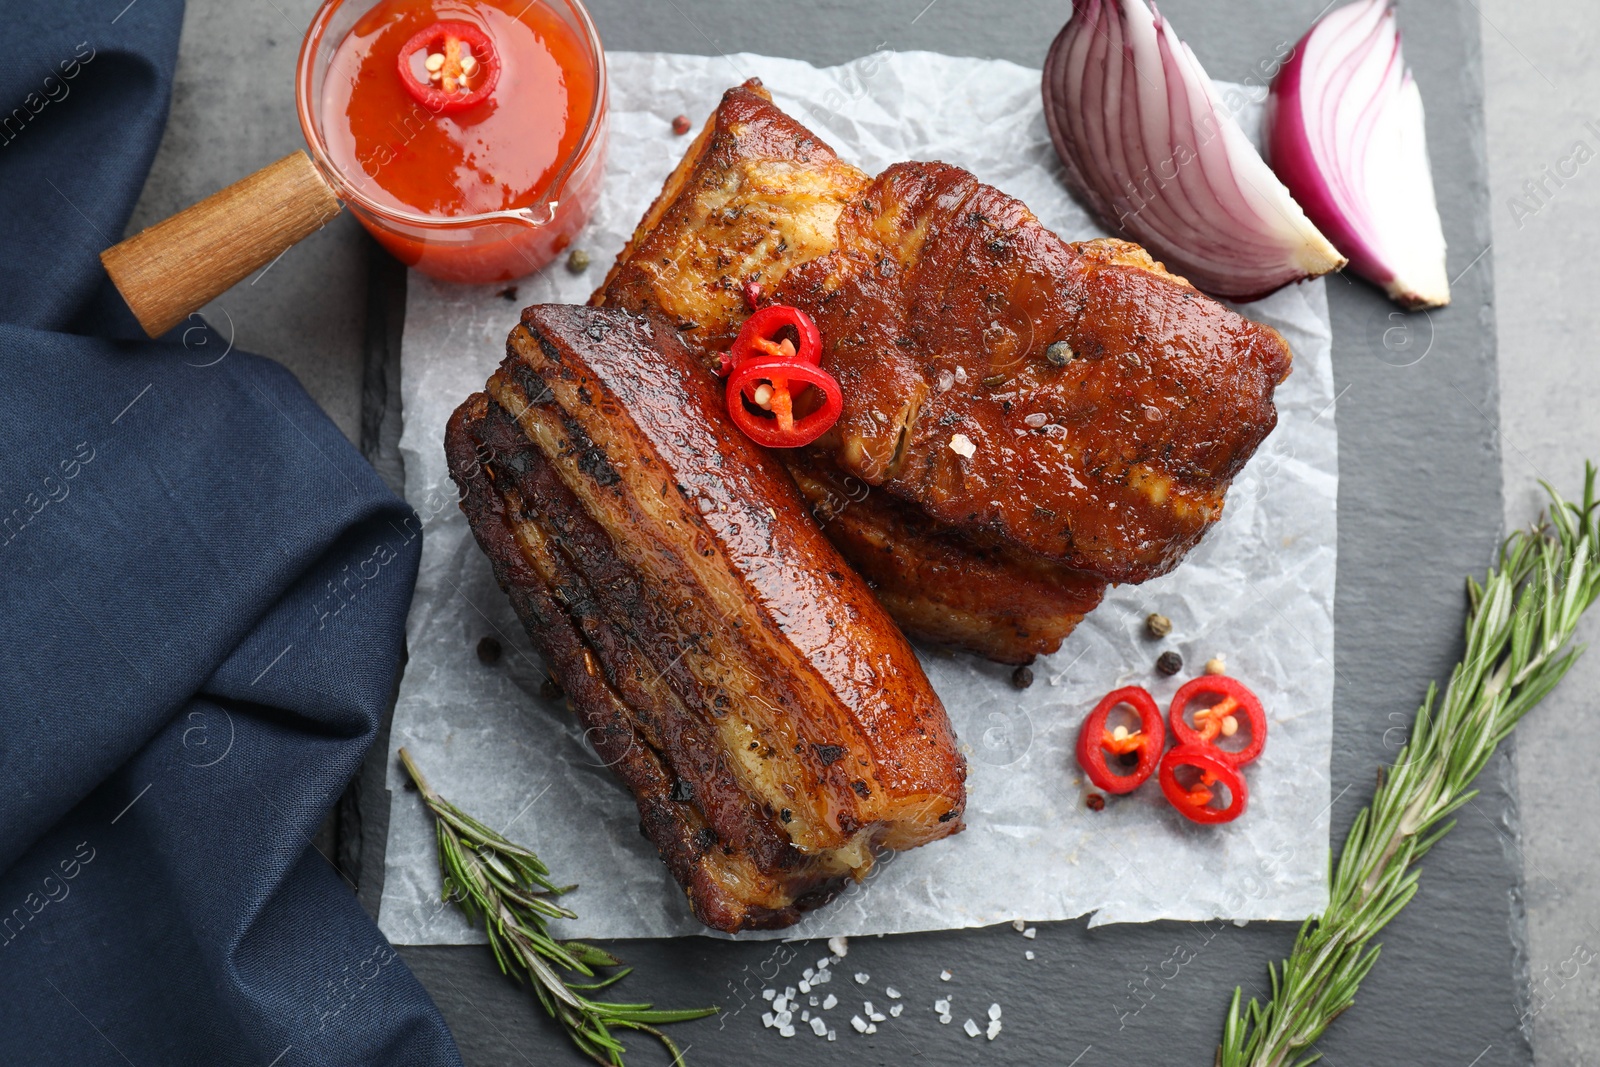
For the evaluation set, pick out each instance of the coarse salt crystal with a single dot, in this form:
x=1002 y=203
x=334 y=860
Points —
x=971 y=1028
x=942 y=1005
x=788 y=991
x=962 y=446
x=961 y=375
x=839 y=946
x=823 y=963
x=891 y=992
x=767 y=1019
x=786 y=1031
x=1031 y=932
x=833 y=1035
x=784 y=1018
x=878 y=1017
x=768 y=994
x=805 y=986
x=872 y=1028
x=1036 y=420
x=1018 y=925
x=819 y=1027
x=780 y=1004
x=805 y=1016
x=994 y=1012
x=812 y=1001
x=994 y=1030
x=810 y=974
x=946 y=380
x=866 y=1006
x=945 y=1018
x=895 y=1010
x=862 y=977
x=944 y=976
x=831 y=1001
x=859 y=1024
x=1028 y=955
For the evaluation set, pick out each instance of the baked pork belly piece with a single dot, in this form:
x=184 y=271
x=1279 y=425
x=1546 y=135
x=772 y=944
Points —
x=1044 y=417
x=773 y=724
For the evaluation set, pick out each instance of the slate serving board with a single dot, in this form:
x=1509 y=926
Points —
x=1420 y=502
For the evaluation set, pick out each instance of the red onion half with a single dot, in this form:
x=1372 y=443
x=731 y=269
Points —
x=1149 y=147
x=1345 y=133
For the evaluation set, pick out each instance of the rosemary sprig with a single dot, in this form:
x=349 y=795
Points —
x=1519 y=623
x=505 y=886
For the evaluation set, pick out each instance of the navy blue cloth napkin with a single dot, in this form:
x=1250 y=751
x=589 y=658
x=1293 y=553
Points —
x=203 y=590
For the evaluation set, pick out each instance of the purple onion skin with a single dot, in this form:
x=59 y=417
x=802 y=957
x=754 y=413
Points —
x=1242 y=286
x=1289 y=153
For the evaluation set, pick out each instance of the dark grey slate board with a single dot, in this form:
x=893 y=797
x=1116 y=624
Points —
x=1420 y=507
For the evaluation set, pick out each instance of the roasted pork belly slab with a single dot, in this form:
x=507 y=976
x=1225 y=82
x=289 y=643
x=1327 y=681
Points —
x=1049 y=471
x=774 y=726
x=938 y=309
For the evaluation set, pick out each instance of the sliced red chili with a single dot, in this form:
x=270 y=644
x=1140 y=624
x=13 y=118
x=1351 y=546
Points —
x=1211 y=726
x=782 y=379
x=1094 y=740
x=1194 y=802
x=763 y=335
x=449 y=66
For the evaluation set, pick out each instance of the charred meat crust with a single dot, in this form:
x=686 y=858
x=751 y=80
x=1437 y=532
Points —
x=740 y=679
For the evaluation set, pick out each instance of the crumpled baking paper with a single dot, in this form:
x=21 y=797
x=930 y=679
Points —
x=1258 y=590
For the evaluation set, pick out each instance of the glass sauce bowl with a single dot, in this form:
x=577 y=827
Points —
x=486 y=247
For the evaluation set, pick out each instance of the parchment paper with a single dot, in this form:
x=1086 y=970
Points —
x=1258 y=590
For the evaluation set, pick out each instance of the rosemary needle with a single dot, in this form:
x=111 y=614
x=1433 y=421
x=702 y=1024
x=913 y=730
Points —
x=507 y=888
x=1519 y=623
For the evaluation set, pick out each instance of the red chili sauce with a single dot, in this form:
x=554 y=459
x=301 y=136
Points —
x=450 y=108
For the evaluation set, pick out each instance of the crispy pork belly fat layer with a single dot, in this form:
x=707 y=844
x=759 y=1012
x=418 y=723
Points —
x=774 y=726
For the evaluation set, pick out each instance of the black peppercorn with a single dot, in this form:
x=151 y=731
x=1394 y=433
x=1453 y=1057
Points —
x=1095 y=801
x=1059 y=354
x=1157 y=625
x=1022 y=677
x=509 y=293
x=1169 y=662
x=577 y=261
x=488 y=650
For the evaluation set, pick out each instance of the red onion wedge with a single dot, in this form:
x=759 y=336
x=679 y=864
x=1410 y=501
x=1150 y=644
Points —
x=1345 y=133
x=1150 y=148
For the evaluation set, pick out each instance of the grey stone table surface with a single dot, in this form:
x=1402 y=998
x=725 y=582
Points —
x=1497 y=950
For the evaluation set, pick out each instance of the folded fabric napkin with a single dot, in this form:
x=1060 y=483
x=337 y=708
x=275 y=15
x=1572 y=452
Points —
x=203 y=591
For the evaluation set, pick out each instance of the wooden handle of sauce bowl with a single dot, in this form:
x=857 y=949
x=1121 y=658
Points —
x=181 y=263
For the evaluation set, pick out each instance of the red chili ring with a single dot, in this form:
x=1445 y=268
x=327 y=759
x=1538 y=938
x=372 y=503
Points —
x=436 y=38
x=766 y=431
x=1220 y=685
x=1091 y=736
x=767 y=324
x=1205 y=758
